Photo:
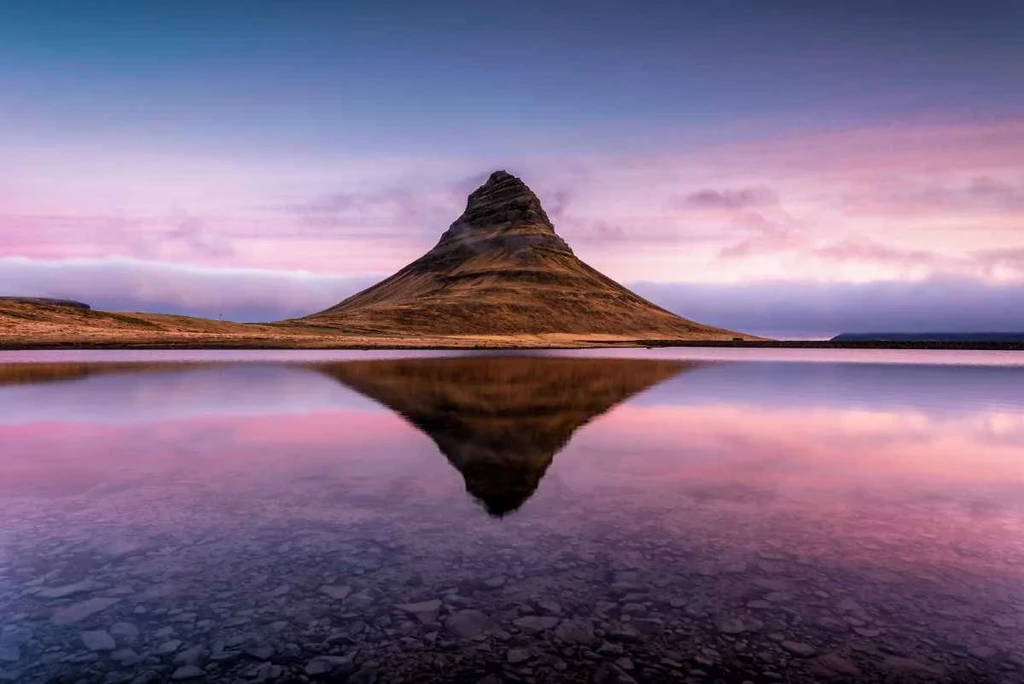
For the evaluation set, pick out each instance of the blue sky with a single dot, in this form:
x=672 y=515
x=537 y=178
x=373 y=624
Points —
x=452 y=77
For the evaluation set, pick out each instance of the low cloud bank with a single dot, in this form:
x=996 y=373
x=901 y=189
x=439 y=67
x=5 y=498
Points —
x=130 y=285
x=813 y=309
x=781 y=308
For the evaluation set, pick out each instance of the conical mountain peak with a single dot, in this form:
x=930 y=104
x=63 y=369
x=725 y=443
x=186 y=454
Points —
x=501 y=176
x=501 y=270
x=504 y=200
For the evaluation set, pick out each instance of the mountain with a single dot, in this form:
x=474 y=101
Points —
x=500 y=421
x=500 y=269
x=499 y=277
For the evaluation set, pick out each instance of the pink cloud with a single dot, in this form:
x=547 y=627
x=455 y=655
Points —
x=763 y=236
x=1001 y=261
x=906 y=148
x=135 y=285
x=729 y=199
x=975 y=196
x=177 y=237
x=802 y=207
x=869 y=250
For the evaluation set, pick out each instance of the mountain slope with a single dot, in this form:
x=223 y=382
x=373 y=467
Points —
x=501 y=269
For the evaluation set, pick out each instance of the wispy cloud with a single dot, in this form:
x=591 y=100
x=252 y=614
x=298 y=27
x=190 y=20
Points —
x=810 y=308
x=870 y=250
x=390 y=209
x=138 y=285
x=196 y=237
x=902 y=197
x=728 y=199
x=178 y=236
x=1001 y=262
x=761 y=235
x=871 y=204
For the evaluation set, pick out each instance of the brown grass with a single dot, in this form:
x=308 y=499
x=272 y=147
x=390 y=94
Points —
x=508 y=292
x=29 y=325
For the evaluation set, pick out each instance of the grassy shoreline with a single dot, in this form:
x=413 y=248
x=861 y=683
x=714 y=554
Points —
x=252 y=344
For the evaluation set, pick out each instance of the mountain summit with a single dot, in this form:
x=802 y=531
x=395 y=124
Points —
x=503 y=200
x=500 y=269
x=502 y=216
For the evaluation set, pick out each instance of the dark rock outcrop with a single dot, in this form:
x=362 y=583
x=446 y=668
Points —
x=48 y=301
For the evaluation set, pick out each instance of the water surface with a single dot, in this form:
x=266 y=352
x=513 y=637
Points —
x=677 y=515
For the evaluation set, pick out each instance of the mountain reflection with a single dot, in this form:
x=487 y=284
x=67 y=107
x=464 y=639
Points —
x=501 y=420
x=36 y=373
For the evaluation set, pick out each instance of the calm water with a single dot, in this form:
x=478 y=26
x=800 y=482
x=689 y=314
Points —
x=687 y=515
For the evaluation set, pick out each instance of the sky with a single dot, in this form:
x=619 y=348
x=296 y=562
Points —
x=792 y=168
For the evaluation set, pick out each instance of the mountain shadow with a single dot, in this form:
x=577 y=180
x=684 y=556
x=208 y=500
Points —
x=500 y=421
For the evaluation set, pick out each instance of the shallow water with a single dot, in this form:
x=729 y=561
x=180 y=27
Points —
x=674 y=515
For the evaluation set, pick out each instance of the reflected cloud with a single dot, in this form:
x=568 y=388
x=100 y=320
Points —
x=499 y=421
x=749 y=433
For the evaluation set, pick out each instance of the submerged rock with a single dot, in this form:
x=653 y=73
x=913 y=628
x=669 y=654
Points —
x=536 y=623
x=124 y=630
x=607 y=673
x=469 y=623
x=76 y=612
x=98 y=640
x=330 y=665
x=69 y=589
x=799 y=648
x=188 y=672
x=576 y=630
x=336 y=592
x=424 y=611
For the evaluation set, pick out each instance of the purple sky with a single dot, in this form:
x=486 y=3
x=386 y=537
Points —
x=799 y=170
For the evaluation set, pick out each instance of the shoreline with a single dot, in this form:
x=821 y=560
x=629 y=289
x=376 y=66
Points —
x=584 y=344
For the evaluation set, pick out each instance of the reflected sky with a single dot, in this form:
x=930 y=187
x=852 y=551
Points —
x=904 y=430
